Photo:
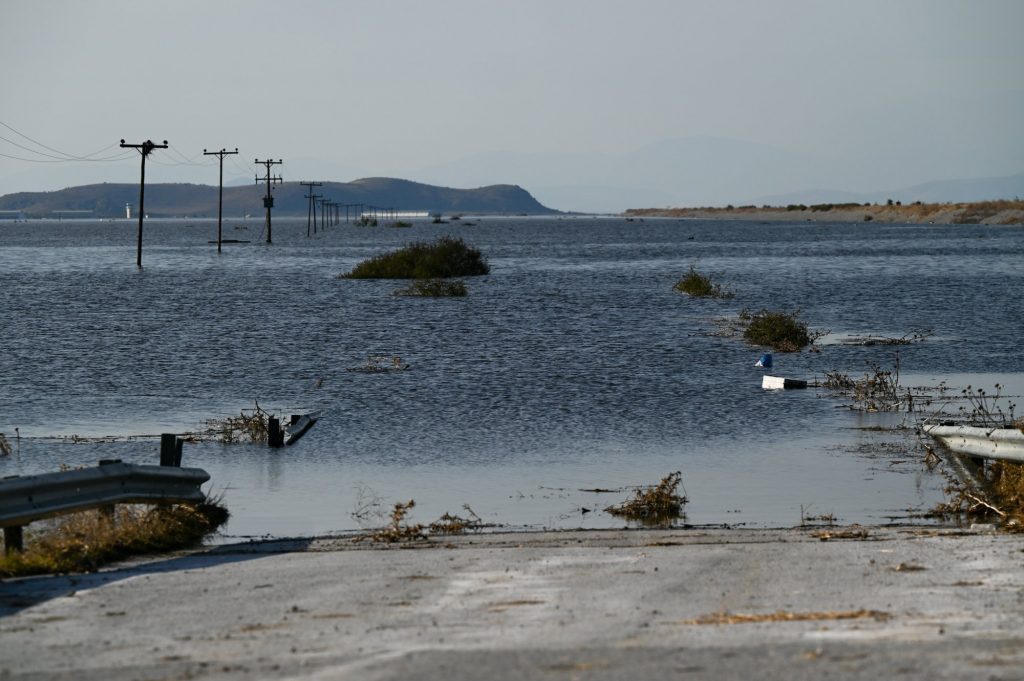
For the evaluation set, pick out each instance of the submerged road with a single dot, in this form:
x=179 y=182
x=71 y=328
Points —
x=898 y=603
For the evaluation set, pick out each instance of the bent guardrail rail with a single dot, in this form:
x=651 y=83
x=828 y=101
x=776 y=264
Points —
x=1004 y=444
x=25 y=499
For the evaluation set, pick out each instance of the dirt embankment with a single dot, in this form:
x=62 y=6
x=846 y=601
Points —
x=981 y=212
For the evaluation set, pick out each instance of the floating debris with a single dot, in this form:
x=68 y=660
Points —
x=381 y=364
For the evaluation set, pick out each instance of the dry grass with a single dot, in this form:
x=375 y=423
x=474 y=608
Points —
x=399 y=529
x=786 y=616
x=979 y=211
x=83 y=542
x=877 y=390
x=655 y=505
x=449 y=524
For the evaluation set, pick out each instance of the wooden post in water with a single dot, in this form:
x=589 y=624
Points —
x=170 y=450
x=275 y=436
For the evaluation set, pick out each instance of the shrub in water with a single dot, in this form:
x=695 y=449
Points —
x=697 y=284
x=781 y=331
x=446 y=257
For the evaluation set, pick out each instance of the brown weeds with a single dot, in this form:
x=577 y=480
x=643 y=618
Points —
x=449 y=524
x=251 y=425
x=655 y=505
x=786 y=616
x=399 y=529
x=83 y=542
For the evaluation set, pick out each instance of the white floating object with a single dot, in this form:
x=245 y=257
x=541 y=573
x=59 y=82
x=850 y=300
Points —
x=780 y=383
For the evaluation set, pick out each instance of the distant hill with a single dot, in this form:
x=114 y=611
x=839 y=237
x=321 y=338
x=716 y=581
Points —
x=196 y=200
x=715 y=171
x=941 y=191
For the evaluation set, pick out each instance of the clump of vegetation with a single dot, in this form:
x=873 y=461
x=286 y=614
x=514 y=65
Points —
x=5 y=446
x=401 y=223
x=449 y=524
x=446 y=257
x=434 y=288
x=655 y=505
x=700 y=285
x=83 y=542
x=251 y=425
x=877 y=390
x=365 y=221
x=398 y=529
x=781 y=331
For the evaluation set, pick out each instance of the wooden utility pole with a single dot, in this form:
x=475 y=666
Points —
x=145 y=149
x=220 y=194
x=268 y=200
x=312 y=197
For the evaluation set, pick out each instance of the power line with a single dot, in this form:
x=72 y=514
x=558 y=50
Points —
x=66 y=156
x=54 y=159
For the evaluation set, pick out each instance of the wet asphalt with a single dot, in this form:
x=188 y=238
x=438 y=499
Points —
x=802 y=603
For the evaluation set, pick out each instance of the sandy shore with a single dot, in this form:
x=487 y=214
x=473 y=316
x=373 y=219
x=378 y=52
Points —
x=985 y=212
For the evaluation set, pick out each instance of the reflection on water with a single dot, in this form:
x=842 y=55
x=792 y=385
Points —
x=574 y=365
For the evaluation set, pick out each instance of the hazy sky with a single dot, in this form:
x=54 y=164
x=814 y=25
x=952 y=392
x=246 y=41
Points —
x=931 y=88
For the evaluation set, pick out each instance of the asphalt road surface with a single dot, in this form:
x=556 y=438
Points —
x=898 y=603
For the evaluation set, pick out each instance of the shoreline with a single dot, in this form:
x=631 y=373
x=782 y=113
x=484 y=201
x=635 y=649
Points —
x=973 y=213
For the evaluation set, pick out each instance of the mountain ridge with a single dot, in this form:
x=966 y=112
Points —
x=107 y=200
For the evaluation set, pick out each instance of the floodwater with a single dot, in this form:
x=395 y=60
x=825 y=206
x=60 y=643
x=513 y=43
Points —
x=573 y=366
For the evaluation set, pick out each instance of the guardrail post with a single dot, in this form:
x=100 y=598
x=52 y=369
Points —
x=170 y=450
x=13 y=540
x=107 y=510
x=275 y=436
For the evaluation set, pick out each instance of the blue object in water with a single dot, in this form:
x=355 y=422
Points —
x=765 y=361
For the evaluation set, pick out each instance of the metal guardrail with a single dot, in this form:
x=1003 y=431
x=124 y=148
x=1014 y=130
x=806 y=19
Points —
x=1004 y=444
x=25 y=499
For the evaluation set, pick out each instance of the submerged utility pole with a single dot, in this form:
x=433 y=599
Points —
x=268 y=200
x=145 y=149
x=312 y=197
x=220 y=194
